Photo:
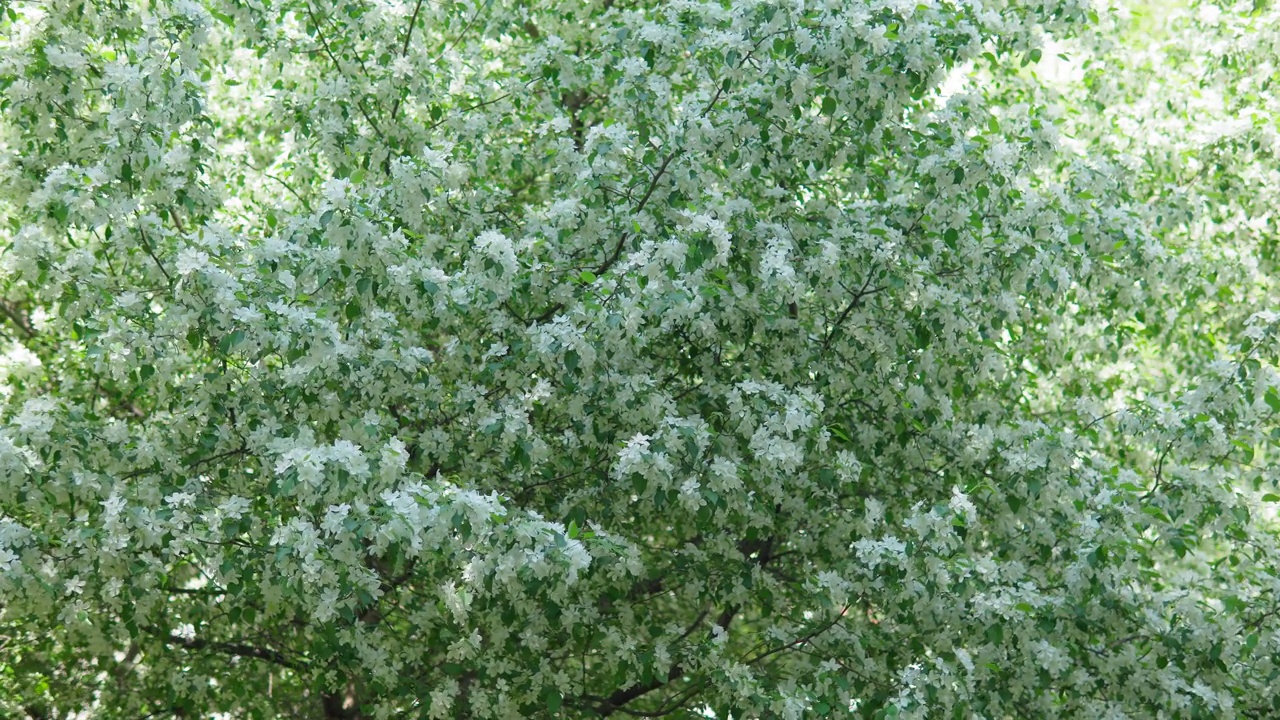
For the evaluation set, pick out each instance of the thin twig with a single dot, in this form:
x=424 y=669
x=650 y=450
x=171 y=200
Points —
x=857 y=299
x=147 y=245
x=306 y=205
x=404 y=50
x=231 y=648
x=614 y=256
x=338 y=66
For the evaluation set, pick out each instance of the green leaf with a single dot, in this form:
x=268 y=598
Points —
x=839 y=432
x=1156 y=513
x=1272 y=398
x=829 y=105
x=231 y=340
x=950 y=237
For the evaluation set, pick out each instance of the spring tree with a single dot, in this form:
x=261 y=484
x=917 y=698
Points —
x=394 y=358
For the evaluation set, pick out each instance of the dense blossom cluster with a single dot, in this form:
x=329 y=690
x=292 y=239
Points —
x=459 y=359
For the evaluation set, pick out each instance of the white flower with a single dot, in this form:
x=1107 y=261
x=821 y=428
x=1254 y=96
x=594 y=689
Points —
x=498 y=248
x=234 y=507
x=334 y=517
x=335 y=190
x=350 y=456
x=36 y=418
x=326 y=608
x=191 y=260
x=1051 y=658
x=59 y=56
x=113 y=505
x=691 y=495
x=962 y=506
x=634 y=452
x=74 y=586
x=180 y=499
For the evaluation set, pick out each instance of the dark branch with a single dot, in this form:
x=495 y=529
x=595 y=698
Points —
x=230 y=648
x=616 y=701
x=404 y=49
x=150 y=251
x=622 y=239
x=338 y=66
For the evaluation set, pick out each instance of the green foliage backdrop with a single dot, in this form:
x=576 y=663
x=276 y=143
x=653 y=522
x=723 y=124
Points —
x=750 y=359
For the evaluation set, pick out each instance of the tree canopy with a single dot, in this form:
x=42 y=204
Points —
x=695 y=359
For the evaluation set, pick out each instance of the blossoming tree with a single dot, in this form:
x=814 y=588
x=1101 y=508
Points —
x=394 y=358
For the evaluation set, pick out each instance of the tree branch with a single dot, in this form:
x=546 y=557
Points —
x=147 y=246
x=338 y=66
x=614 y=256
x=230 y=648
x=616 y=701
x=404 y=50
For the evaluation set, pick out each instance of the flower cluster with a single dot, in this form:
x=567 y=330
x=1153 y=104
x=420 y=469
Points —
x=831 y=358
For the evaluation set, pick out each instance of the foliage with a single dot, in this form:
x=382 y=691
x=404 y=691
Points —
x=373 y=358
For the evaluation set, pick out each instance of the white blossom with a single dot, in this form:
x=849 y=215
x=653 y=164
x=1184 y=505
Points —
x=781 y=359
